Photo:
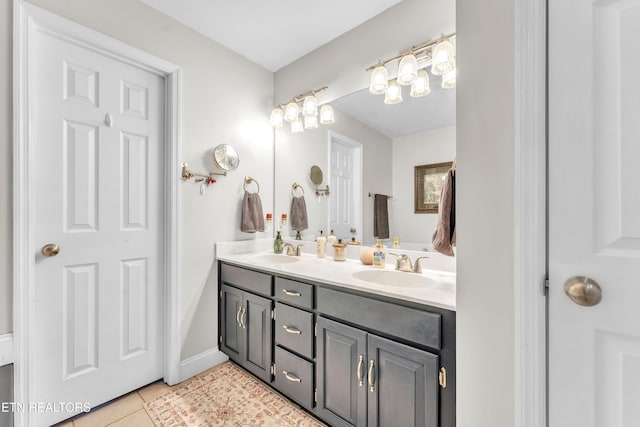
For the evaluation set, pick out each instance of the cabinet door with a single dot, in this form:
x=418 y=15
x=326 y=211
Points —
x=232 y=333
x=258 y=329
x=341 y=395
x=403 y=385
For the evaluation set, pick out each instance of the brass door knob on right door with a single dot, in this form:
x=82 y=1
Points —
x=50 y=250
x=583 y=290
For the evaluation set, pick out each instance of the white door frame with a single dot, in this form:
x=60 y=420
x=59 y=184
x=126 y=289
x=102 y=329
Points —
x=27 y=20
x=358 y=148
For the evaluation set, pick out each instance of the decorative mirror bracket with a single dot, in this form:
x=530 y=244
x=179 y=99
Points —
x=322 y=191
x=200 y=178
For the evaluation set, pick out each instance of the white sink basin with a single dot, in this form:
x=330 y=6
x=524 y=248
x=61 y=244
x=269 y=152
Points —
x=394 y=278
x=276 y=259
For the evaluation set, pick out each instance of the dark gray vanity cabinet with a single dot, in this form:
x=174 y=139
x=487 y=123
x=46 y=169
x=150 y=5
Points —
x=246 y=327
x=367 y=380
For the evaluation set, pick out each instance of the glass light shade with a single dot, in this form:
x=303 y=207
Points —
x=326 y=114
x=449 y=79
x=420 y=86
x=379 y=80
x=393 y=95
x=310 y=106
x=407 y=70
x=291 y=112
x=296 y=126
x=310 y=122
x=277 y=117
x=442 y=58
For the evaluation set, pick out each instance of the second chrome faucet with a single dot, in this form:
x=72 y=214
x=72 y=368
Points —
x=403 y=263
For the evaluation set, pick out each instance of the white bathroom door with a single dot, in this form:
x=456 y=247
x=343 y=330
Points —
x=98 y=144
x=594 y=212
x=346 y=187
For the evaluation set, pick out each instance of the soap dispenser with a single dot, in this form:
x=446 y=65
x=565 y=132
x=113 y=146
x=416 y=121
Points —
x=378 y=255
x=320 y=245
x=331 y=239
x=277 y=243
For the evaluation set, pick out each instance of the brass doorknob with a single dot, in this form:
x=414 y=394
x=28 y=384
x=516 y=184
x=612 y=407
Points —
x=583 y=290
x=50 y=249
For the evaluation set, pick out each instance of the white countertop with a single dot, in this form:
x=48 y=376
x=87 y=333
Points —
x=435 y=286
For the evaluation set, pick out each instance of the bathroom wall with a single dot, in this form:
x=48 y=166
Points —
x=296 y=153
x=6 y=394
x=433 y=146
x=225 y=99
x=6 y=166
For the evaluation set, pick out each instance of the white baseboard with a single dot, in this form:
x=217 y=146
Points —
x=6 y=349
x=201 y=362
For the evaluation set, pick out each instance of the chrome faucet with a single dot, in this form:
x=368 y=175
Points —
x=403 y=262
x=291 y=251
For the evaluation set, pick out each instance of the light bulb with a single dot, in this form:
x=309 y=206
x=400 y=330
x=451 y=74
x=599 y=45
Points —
x=296 y=126
x=310 y=122
x=393 y=95
x=449 y=79
x=379 y=80
x=291 y=112
x=310 y=106
x=442 y=58
x=277 y=116
x=420 y=86
x=326 y=114
x=407 y=70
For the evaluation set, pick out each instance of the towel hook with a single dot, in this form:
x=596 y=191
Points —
x=249 y=180
x=294 y=187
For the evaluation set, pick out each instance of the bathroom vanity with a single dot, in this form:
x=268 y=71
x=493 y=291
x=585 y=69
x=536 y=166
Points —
x=353 y=352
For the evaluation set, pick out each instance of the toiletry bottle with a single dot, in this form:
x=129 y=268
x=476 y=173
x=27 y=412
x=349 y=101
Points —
x=339 y=251
x=320 y=245
x=277 y=243
x=396 y=242
x=331 y=239
x=378 y=255
x=298 y=235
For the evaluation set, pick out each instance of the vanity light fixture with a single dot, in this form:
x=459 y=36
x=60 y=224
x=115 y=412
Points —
x=439 y=54
x=302 y=112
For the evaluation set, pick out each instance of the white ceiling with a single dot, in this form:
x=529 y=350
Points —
x=272 y=33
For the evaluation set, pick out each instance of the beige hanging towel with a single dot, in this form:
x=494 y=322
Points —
x=445 y=235
x=252 y=218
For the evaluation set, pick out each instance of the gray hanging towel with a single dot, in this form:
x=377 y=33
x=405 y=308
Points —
x=380 y=217
x=299 y=219
x=444 y=236
x=252 y=218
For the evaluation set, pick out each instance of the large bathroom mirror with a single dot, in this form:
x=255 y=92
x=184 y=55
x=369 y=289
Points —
x=390 y=141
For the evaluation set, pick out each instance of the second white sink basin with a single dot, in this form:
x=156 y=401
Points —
x=394 y=278
x=276 y=258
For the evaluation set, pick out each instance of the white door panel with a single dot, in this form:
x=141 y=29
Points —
x=99 y=148
x=346 y=188
x=594 y=211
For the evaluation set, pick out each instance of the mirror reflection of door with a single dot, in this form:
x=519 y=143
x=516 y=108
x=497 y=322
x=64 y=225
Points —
x=345 y=200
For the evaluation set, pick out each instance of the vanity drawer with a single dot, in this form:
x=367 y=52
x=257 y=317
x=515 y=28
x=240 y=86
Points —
x=420 y=327
x=294 y=329
x=253 y=281
x=294 y=377
x=296 y=293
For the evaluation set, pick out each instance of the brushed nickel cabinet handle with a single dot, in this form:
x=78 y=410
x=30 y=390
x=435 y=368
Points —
x=359 y=371
x=291 y=330
x=243 y=318
x=292 y=293
x=372 y=379
x=238 y=316
x=291 y=377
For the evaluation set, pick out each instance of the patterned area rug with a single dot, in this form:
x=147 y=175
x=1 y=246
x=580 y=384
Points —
x=227 y=396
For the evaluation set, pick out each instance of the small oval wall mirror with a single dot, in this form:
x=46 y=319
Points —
x=226 y=157
x=316 y=175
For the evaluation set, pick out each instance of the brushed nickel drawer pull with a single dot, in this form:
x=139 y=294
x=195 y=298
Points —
x=238 y=316
x=292 y=330
x=291 y=377
x=359 y=370
x=372 y=379
x=243 y=318
x=292 y=293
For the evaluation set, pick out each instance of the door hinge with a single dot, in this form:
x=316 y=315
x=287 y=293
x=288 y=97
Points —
x=545 y=287
x=442 y=377
x=273 y=314
x=315 y=395
x=273 y=369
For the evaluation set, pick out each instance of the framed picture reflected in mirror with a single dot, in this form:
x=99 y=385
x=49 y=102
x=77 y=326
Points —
x=428 y=180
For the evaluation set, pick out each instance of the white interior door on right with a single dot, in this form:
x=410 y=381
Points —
x=594 y=213
x=346 y=188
